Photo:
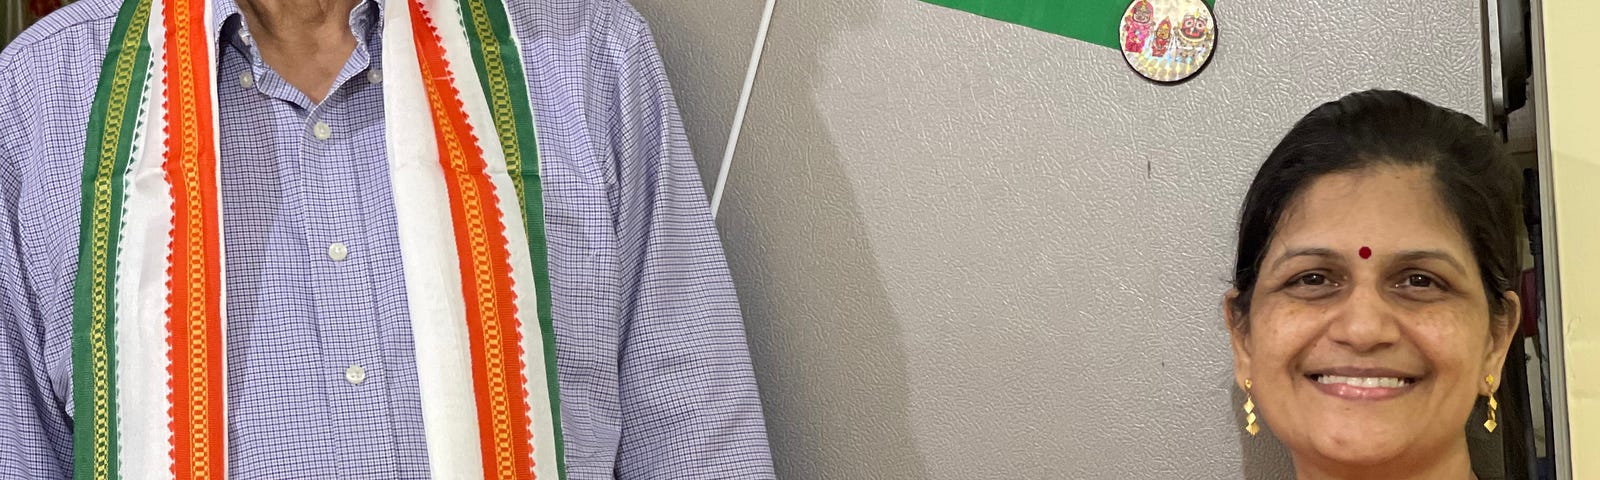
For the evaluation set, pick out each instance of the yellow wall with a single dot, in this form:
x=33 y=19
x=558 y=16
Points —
x=1571 y=79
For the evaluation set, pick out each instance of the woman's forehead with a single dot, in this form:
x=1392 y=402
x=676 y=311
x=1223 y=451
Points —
x=1385 y=207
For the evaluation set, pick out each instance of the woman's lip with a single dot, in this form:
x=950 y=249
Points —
x=1352 y=392
x=1363 y=372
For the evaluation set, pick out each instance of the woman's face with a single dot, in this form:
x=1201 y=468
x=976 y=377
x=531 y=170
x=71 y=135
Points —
x=1369 y=332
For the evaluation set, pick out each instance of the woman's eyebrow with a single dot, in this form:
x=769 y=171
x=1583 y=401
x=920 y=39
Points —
x=1440 y=255
x=1306 y=252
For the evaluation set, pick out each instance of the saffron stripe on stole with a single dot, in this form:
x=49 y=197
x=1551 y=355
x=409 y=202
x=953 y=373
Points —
x=196 y=342
x=481 y=246
x=497 y=55
x=427 y=252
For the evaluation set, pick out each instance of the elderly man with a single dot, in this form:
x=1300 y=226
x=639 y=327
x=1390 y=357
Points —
x=359 y=239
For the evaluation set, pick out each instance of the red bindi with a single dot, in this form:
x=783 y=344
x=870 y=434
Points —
x=1366 y=253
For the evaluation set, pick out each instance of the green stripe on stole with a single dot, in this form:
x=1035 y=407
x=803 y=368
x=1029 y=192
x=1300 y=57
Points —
x=113 y=119
x=505 y=86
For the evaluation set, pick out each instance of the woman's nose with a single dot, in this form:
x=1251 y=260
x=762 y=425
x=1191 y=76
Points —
x=1365 y=321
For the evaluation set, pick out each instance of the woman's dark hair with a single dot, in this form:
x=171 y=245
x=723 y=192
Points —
x=1474 y=178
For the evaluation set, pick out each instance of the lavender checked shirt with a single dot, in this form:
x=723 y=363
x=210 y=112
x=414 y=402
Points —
x=655 y=376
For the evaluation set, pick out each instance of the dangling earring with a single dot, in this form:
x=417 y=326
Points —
x=1493 y=405
x=1250 y=411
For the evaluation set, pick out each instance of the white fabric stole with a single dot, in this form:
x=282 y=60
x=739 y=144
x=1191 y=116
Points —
x=447 y=16
x=144 y=258
x=144 y=255
x=427 y=242
x=433 y=281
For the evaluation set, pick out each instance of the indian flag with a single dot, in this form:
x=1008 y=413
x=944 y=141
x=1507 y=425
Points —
x=1093 y=21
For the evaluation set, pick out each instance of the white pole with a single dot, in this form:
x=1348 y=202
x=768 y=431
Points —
x=744 y=104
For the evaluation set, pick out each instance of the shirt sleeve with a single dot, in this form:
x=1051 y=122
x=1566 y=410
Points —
x=36 y=441
x=690 y=408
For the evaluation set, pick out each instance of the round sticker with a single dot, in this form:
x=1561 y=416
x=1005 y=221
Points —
x=1168 y=41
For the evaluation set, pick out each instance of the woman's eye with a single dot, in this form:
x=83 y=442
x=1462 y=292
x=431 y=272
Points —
x=1422 y=287
x=1417 y=280
x=1311 y=286
x=1313 y=280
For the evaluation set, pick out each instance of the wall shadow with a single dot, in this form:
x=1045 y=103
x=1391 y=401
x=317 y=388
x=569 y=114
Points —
x=826 y=341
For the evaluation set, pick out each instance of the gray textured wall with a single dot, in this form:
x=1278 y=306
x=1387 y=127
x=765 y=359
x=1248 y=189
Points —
x=967 y=249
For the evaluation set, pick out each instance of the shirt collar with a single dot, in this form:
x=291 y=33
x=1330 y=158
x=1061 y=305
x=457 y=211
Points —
x=223 y=14
x=230 y=22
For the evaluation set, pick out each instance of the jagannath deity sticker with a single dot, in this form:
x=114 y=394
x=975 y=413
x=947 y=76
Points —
x=1168 y=41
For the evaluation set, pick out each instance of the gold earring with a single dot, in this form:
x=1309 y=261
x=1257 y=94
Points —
x=1493 y=405
x=1250 y=411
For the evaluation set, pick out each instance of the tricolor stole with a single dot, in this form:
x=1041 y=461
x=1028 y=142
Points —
x=150 y=317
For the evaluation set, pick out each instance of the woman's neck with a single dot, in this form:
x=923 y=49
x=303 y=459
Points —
x=1455 y=463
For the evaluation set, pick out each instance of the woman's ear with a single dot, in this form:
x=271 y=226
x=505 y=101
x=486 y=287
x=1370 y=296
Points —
x=1238 y=332
x=1502 y=329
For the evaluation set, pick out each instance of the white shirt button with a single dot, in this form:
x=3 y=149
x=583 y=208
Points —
x=375 y=76
x=338 y=252
x=245 y=37
x=355 y=374
x=247 y=80
x=322 y=131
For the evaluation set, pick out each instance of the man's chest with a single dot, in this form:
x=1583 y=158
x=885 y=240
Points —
x=320 y=351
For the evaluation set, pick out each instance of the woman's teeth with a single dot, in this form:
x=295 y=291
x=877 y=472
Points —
x=1365 y=382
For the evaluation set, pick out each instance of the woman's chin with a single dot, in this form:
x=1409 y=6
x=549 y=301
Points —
x=1363 y=455
x=1352 y=444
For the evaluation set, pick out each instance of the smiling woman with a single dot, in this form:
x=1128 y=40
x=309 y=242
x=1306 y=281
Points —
x=1373 y=299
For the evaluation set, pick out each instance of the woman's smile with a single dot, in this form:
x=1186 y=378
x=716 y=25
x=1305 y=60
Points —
x=1362 y=384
